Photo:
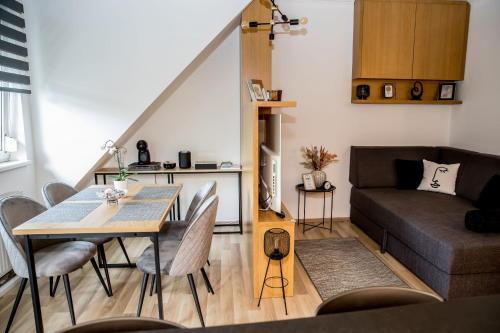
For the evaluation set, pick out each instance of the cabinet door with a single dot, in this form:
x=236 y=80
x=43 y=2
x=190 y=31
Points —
x=440 y=41
x=387 y=39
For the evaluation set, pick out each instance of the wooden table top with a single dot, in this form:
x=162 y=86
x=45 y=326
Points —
x=177 y=170
x=99 y=220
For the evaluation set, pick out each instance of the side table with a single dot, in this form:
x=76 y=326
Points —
x=300 y=189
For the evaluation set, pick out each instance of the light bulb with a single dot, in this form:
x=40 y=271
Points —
x=244 y=25
x=304 y=20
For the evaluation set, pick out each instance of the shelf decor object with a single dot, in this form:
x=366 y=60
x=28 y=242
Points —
x=283 y=20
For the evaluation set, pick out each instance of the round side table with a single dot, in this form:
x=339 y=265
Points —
x=300 y=189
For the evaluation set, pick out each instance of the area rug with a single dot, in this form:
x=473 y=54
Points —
x=336 y=265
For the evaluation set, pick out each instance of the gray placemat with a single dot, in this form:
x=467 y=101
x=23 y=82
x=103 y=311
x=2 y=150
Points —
x=88 y=194
x=140 y=211
x=67 y=212
x=155 y=193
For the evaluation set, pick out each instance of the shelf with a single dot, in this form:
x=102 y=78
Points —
x=270 y=216
x=402 y=101
x=271 y=104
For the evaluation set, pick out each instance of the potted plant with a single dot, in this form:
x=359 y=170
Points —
x=316 y=160
x=120 y=182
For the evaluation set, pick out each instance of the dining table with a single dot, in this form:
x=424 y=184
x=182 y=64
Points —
x=141 y=213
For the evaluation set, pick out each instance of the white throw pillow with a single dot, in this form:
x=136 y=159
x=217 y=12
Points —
x=439 y=177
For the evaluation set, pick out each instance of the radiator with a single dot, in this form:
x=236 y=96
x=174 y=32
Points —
x=4 y=259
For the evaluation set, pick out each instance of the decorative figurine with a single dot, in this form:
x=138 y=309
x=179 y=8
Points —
x=144 y=155
x=417 y=91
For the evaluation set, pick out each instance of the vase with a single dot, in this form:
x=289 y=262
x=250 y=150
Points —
x=121 y=185
x=319 y=178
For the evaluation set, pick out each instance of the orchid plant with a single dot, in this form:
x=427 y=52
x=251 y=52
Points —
x=118 y=154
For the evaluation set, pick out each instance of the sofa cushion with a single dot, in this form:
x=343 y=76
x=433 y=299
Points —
x=375 y=166
x=489 y=199
x=475 y=171
x=409 y=173
x=431 y=224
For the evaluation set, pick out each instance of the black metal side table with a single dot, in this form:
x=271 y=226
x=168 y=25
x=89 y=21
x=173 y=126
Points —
x=300 y=189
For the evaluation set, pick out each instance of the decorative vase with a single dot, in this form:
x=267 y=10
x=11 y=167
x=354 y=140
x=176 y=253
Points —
x=121 y=185
x=319 y=178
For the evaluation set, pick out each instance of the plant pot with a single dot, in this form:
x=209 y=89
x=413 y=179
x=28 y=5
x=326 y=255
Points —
x=121 y=185
x=319 y=177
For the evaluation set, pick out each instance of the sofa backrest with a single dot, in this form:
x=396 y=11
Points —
x=475 y=171
x=375 y=167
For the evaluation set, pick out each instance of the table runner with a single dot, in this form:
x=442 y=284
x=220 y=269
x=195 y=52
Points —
x=140 y=211
x=155 y=193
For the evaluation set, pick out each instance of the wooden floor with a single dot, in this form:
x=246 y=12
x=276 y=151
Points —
x=230 y=274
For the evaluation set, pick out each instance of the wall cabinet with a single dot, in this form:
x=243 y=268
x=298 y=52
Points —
x=412 y=39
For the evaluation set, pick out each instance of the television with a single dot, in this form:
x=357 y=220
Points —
x=270 y=163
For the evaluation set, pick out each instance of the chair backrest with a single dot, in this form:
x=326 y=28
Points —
x=374 y=298
x=14 y=211
x=192 y=253
x=205 y=192
x=124 y=324
x=55 y=193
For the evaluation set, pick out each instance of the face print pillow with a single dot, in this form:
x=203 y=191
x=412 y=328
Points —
x=439 y=177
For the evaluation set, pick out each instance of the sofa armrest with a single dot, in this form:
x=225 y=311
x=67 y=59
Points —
x=375 y=167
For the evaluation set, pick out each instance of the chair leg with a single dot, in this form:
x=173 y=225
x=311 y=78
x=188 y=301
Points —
x=98 y=272
x=124 y=250
x=208 y=262
x=153 y=279
x=264 y=282
x=100 y=248
x=207 y=281
x=67 y=287
x=144 y=284
x=283 y=288
x=19 y=295
x=53 y=286
x=195 y=296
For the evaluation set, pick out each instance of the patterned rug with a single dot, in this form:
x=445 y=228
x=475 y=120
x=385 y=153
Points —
x=336 y=265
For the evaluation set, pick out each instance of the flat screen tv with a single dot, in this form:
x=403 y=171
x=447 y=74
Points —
x=270 y=164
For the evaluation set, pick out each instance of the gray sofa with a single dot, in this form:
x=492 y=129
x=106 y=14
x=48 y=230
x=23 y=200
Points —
x=425 y=231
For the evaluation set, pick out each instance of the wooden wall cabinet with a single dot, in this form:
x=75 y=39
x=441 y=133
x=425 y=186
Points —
x=410 y=39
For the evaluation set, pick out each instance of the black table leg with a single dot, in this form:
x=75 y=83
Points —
x=104 y=179
x=96 y=180
x=178 y=208
x=304 y=216
x=331 y=213
x=298 y=209
x=240 y=208
x=158 y=275
x=324 y=204
x=35 y=297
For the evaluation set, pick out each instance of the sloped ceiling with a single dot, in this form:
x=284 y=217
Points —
x=97 y=66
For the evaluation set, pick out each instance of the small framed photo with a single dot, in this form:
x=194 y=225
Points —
x=257 y=92
x=388 y=90
x=446 y=91
x=308 y=181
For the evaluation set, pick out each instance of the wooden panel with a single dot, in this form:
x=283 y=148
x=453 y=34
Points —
x=441 y=40
x=401 y=92
x=387 y=34
x=98 y=221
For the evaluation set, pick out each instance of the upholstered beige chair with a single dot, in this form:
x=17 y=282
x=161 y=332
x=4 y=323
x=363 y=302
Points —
x=175 y=230
x=123 y=324
x=374 y=298
x=52 y=257
x=184 y=257
x=55 y=193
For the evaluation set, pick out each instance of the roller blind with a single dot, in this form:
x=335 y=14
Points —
x=14 y=66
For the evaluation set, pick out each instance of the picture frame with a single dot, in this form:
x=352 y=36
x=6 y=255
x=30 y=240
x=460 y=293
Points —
x=256 y=89
x=308 y=179
x=388 y=90
x=446 y=91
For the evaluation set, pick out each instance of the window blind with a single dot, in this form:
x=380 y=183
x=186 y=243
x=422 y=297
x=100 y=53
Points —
x=14 y=66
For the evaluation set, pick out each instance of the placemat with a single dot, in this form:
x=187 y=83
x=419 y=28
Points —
x=88 y=194
x=155 y=193
x=67 y=212
x=140 y=211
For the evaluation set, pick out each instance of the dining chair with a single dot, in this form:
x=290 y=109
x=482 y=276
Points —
x=57 y=257
x=57 y=192
x=374 y=298
x=122 y=324
x=174 y=230
x=184 y=257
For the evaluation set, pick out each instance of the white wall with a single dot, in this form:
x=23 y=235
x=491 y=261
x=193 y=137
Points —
x=314 y=68
x=97 y=65
x=475 y=125
x=202 y=116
